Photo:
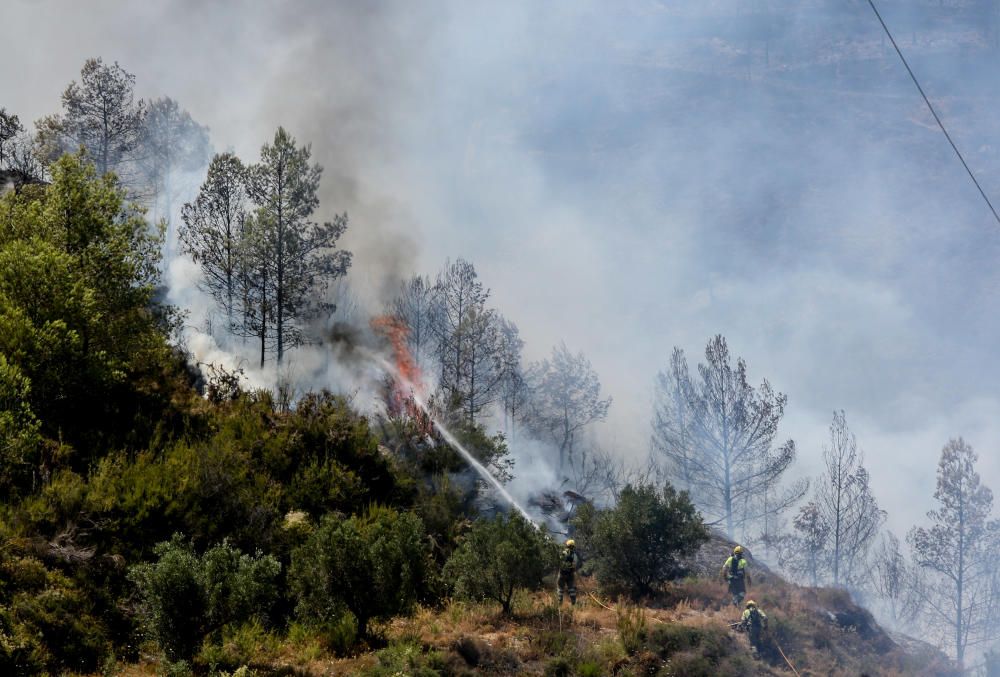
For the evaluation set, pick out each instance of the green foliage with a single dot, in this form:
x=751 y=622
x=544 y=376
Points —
x=19 y=439
x=46 y=621
x=186 y=596
x=560 y=666
x=497 y=556
x=326 y=455
x=239 y=645
x=408 y=658
x=631 y=623
x=78 y=269
x=553 y=642
x=635 y=545
x=374 y=566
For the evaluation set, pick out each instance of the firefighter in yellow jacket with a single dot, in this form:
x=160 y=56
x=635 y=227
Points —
x=569 y=561
x=735 y=572
x=754 y=622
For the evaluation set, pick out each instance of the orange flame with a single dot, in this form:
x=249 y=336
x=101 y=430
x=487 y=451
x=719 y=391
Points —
x=408 y=381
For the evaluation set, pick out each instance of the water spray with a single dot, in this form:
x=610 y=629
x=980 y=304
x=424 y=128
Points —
x=448 y=436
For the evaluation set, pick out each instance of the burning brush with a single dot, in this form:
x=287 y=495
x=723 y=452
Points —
x=406 y=383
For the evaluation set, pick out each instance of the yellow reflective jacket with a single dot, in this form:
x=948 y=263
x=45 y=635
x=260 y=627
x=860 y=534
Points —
x=741 y=571
x=748 y=619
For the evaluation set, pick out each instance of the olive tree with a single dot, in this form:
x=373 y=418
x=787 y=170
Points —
x=497 y=557
x=636 y=544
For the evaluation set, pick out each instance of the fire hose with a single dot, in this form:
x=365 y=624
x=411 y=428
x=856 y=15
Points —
x=732 y=625
x=786 y=659
x=739 y=627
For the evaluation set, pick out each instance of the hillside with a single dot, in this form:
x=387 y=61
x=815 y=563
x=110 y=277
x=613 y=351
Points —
x=821 y=631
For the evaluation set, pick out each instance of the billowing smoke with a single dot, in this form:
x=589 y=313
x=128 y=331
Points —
x=628 y=178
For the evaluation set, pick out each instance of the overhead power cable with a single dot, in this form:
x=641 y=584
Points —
x=934 y=112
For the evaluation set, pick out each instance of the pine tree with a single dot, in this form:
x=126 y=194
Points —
x=296 y=258
x=956 y=552
x=213 y=233
x=101 y=114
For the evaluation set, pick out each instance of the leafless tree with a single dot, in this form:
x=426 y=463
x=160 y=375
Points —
x=513 y=388
x=849 y=507
x=565 y=399
x=170 y=142
x=896 y=583
x=416 y=304
x=730 y=427
x=673 y=420
x=803 y=552
x=957 y=553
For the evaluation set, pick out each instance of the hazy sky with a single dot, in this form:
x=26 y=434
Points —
x=628 y=177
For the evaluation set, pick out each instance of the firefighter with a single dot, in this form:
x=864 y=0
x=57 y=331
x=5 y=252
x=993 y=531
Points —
x=754 y=622
x=735 y=572
x=569 y=561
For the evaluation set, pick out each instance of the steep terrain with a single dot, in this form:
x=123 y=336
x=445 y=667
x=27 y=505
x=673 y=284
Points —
x=685 y=632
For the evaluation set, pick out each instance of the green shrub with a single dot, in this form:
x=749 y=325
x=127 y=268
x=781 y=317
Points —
x=240 y=645
x=692 y=665
x=497 y=556
x=373 y=566
x=553 y=642
x=560 y=666
x=186 y=596
x=47 y=621
x=672 y=638
x=406 y=658
x=340 y=634
x=635 y=545
x=631 y=624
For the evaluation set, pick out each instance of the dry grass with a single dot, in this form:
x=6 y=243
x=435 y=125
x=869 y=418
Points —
x=686 y=633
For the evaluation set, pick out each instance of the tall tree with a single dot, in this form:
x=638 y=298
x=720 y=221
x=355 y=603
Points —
x=10 y=127
x=957 y=552
x=101 y=114
x=301 y=254
x=170 y=142
x=732 y=460
x=895 y=583
x=566 y=398
x=673 y=420
x=416 y=305
x=482 y=371
x=849 y=507
x=812 y=534
x=465 y=338
x=513 y=385
x=213 y=234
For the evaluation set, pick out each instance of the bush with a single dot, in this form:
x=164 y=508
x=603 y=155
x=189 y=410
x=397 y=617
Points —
x=497 y=556
x=186 y=597
x=636 y=544
x=631 y=623
x=407 y=658
x=47 y=622
x=373 y=566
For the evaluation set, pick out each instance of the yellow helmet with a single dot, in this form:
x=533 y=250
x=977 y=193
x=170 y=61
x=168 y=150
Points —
x=571 y=543
x=751 y=603
x=738 y=550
